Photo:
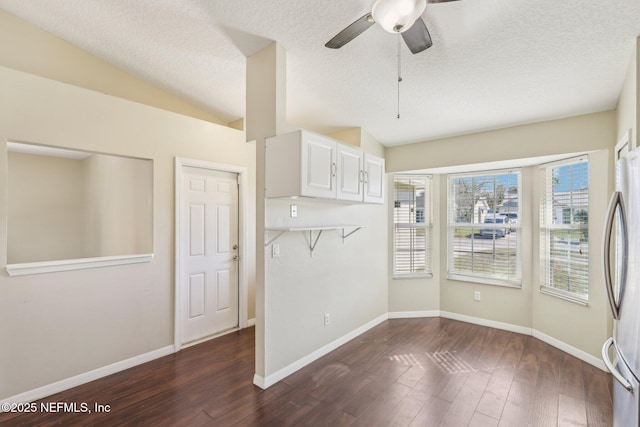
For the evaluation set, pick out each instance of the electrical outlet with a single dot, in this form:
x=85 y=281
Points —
x=327 y=319
x=476 y=296
x=293 y=210
x=275 y=251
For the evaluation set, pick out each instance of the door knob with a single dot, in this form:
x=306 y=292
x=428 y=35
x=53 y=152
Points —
x=235 y=247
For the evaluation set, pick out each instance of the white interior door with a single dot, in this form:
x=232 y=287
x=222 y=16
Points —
x=209 y=252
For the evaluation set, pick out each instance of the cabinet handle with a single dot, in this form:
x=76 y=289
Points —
x=361 y=176
x=366 y=177
x=333 y=169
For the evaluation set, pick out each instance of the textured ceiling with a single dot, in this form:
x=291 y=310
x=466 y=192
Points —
x=494 y=63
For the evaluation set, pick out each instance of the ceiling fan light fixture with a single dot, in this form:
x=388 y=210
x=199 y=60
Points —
x=397 y=16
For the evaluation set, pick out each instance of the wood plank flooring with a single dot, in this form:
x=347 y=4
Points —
x=404 y=372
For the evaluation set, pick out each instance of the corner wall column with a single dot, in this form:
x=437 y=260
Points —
x=265 y=117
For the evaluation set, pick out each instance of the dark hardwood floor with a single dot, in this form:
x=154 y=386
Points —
x=405 y=372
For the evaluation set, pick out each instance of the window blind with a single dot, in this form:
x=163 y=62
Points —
x=565 y=228
x=412 y=218
x=484 y=227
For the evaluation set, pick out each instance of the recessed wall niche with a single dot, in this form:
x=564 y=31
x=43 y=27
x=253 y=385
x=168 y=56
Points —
x=75 y=205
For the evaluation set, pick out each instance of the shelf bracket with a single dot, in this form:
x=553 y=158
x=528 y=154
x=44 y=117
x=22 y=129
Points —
x=274 y=239
x=312 y=246
x=344 y=236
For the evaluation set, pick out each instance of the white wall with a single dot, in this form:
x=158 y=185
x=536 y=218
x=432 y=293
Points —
x=347 y=280
x=58 y=325
x=523 y=306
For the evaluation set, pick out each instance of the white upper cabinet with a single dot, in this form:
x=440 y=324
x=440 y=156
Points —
x=373 y=179
x=350 y=173
x=300 y=163
x=318 y=166
x=304 y=164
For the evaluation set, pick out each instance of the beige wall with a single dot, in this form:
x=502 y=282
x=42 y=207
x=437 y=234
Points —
x=588 y=327
x=61 y=208
x=628 y=113
x=59 y=325
x=523 y=306
x=46 y=208
x=35 y=51
x=118 y=198
x=498 y=303
x=417 y=294
x=574 y=134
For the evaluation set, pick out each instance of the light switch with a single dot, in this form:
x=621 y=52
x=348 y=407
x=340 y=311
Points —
x=294 y=211
x=275 y=251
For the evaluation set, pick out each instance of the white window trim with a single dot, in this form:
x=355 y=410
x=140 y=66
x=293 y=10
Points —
x=473 y=278
x=427 y=226
x=544 y=229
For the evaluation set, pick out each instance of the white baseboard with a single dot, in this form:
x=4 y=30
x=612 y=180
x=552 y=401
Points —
x=259 y=381
x=484 y=322
x=561 y=345
x=251 y=322
x=268 y=381
x=208 y=338
x=265 y=382
x=413 y=314
x=575 y=352
x=86 y=377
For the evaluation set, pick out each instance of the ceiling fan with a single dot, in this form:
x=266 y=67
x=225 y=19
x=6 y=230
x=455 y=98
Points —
x=394 y=16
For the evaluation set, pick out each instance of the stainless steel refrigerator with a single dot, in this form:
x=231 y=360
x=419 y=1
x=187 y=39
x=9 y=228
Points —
x=621 y=253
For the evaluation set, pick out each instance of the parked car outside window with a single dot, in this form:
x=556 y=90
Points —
x=497 y=232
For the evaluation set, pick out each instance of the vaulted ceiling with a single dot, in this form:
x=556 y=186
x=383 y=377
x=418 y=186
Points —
x=493 y=64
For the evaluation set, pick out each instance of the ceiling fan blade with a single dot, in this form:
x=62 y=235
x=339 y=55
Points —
x=417 y=37
x=351 y=32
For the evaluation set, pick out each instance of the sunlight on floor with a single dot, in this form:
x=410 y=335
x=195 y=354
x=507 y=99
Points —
x=450 y=363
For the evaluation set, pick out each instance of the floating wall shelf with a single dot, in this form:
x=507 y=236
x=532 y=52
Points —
x=313 y=241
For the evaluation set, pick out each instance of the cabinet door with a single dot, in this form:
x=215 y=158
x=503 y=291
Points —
x=318 y=166
x=373 y=179
x=350 y=173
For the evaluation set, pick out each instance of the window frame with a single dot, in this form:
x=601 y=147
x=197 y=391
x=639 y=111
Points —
x=427 y=225
x=547 y=228
x=452 y=225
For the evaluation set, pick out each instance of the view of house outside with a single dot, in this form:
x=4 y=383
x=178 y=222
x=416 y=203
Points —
x=565 y=228
x=484 y=225
x=412 y=225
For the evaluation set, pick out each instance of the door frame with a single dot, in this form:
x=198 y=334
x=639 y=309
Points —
x=243 y=193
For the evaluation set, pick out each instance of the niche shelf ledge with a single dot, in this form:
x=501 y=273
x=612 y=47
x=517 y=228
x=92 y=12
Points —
x=74 y=264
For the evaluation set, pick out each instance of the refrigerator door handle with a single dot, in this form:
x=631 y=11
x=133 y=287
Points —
x=615 y=204
x=611 y=367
